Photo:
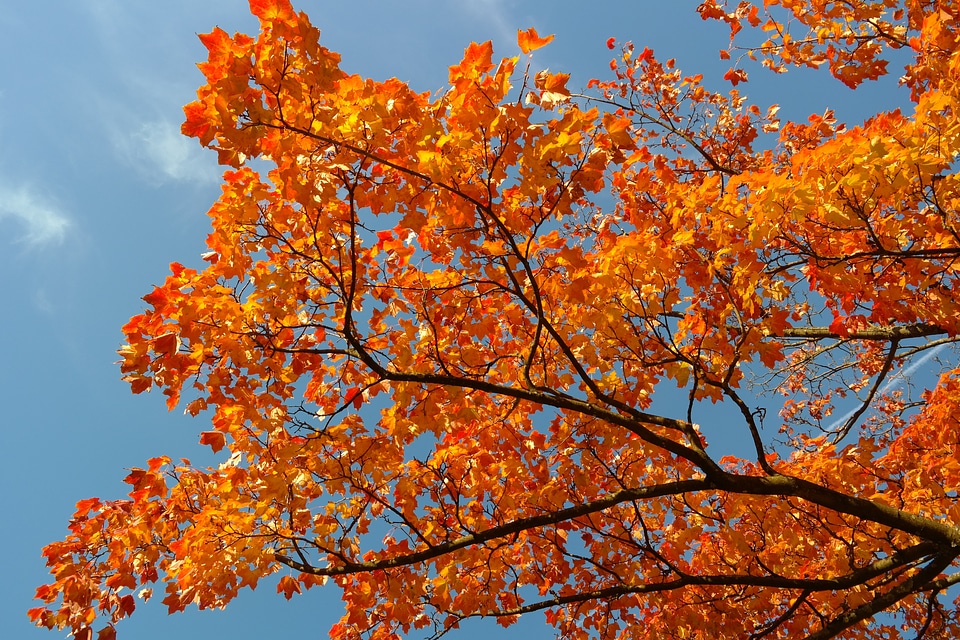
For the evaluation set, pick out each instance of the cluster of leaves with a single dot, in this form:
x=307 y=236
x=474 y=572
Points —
x=430 y=338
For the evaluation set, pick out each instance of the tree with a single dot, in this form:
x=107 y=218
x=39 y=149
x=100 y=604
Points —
x=457 y=346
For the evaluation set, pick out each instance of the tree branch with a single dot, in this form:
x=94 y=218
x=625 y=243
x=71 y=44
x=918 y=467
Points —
x=511 y=528
x=874 y=333
x=911 y=585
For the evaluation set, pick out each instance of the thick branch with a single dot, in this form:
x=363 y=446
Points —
x=873 y=333
x=509 y=529
x=911 y=585
x=854 y=578
x=634 y=423
x=780 y=485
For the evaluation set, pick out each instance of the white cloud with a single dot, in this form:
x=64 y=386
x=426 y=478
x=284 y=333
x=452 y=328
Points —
x=45 y=222
x=160 y=151
x=496 y=15
x=150 y=55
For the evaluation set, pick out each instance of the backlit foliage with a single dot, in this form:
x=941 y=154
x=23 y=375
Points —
x=461 y=353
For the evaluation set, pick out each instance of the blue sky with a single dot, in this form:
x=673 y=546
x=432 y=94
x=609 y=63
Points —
x=98 y=193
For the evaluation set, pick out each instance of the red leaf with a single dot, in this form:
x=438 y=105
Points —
x=214 y=439
x=37 y=614
x=355 y=395
x=156 y=298
x=107 y=633
x=88 y=505
x=735 y=76
x=127 y=604
x=839 y=327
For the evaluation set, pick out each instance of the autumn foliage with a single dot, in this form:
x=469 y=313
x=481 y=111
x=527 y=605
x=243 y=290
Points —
x=484 y=352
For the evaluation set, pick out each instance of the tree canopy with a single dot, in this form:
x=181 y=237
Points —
x=462 y=352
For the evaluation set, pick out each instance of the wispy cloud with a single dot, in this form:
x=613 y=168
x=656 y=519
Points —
x=139 y=101
x=43 y=219
x=494 y=13
x=159 y=151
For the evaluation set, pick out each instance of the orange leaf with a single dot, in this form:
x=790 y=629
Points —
x=88 y=505
x=37 y=614
x=166 y=344
x=214 y=439
x=735 y=76
x=276 y=10
x=618 y=129
x=388 y=259
x=138 y=384
x=288 y=586
x=156 y=298
x=530 y=41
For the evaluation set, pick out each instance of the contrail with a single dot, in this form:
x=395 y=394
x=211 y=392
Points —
x=895 y=382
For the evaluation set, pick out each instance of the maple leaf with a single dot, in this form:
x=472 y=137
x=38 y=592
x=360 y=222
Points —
x=529 y=40
x=272 y=10
x=214 y=439
x=735 y=76
x=288 y=586
x=470 y=358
